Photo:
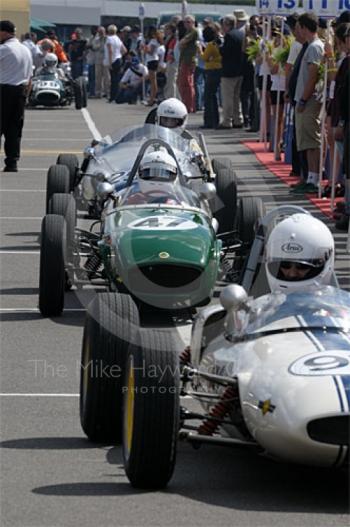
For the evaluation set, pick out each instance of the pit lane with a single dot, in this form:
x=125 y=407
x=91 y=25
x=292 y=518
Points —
x=51 y=475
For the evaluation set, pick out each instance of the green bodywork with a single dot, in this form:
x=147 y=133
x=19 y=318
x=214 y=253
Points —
x=166 y=257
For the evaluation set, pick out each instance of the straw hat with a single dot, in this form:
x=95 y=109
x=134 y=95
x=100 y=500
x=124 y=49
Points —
x=241 y=15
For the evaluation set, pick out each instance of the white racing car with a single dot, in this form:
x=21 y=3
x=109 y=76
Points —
x=271 y=374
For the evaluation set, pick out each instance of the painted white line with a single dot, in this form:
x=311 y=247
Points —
x=30 y=139
x=36 y=310
x=39 y=394
x=50 y=128
x=21 y=190
x=19 y=252
x=91 y=125
x=21 y=218
x=30 y=169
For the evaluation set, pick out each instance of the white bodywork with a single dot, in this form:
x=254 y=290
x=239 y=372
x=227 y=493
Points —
x=291 y=369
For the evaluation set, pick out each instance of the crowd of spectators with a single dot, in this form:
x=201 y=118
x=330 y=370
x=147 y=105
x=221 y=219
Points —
x=235 y=68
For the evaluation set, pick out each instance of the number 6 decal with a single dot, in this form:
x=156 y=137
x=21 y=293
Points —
x=335 y=362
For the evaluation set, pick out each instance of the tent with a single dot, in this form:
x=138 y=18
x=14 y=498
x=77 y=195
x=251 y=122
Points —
x=36 y=24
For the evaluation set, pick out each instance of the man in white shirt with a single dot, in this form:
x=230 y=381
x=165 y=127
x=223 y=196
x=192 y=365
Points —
x=131 y=83
x=16 y=67
x=114 y=51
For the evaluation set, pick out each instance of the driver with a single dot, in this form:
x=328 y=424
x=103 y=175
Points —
x=157 y=169
x=299 y=254
x=50 y=66
x=172 y=113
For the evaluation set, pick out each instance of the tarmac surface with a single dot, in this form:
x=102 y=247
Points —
x=51 y=475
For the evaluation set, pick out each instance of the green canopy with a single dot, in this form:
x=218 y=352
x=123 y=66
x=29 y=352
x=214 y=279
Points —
x=37 y=24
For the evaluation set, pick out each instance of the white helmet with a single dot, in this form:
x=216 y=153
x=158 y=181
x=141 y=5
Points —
x=172 y=113
x=158 y=166
x=50 y=60
x=299 y=254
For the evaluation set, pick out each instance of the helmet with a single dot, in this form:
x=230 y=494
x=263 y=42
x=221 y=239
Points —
x=50 y=60
x=299 y=254
x=172 y=113
x=158 y=166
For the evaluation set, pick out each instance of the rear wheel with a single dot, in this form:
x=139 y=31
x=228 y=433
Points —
x=151 y=410
x=72 y=163
x=111 y=324
x=64 y=205
x=57 y=182
x=52 y=265
x=224 y=205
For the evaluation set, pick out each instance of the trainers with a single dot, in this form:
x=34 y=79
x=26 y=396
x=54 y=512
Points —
x=342 y=224
x=305 y=188
x=10 y=168
x=223 y=126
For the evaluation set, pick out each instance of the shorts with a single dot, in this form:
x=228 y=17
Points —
x=152 y=65
x=308 y=126
x=273 y=95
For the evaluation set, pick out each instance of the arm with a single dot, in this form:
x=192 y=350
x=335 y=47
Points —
x=311 y=82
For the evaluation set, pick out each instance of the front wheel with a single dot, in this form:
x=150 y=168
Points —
x=111 y=324
x=151 y=410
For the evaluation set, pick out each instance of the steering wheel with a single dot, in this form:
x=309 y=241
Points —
x=158 y=194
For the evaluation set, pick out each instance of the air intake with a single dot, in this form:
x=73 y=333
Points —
x=332 y=430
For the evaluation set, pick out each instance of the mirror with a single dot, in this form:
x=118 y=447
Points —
x=207 y=190
x=104 y=189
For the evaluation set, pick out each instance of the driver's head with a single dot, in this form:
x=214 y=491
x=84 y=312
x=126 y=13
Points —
x=299 y=254
x=50 y=60
x=172 y=113
x=158 y=166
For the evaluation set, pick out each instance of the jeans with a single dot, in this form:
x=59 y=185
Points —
x=199 y=80
x=211 y=108
x=77 y=68
x=91 y=85
x=115 y=78
x=12 y=99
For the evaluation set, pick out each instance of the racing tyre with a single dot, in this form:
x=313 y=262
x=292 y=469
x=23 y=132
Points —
x=250 y=210
x=151 y=410
x=64 y=205
x=72 y=163
x=52 y=265
x=224 y=205
x=111 y=324
x=57 y=182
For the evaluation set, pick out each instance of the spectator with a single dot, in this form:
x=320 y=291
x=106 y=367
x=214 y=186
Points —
x=278 y=84
x=125 y=37
x=30 y=40
x=135 y=40
x=153 y=42
x=171 y=66
x=296 y=53
x=232 y=74
x=16 y=66
x=199 y=74
x=187 y=64
x=241 y=20
x=212 y=64
x=307 y=120
x=131 y=82
x=114 y=51
x=76 y=51
x=90 y=61
x=102 y=73
x=57 y=47
x=341 y=118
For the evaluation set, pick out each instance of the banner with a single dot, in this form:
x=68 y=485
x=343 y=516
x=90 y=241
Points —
x=323 y=8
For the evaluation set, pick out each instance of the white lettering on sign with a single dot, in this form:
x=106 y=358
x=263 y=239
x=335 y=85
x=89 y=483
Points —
x=160 y=223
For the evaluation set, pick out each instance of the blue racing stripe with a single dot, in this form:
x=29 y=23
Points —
x=346 y=383
x=335 y=379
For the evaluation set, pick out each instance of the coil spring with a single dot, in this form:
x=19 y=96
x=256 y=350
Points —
x=93 y=263
x=208 y=427
x=185 y=356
